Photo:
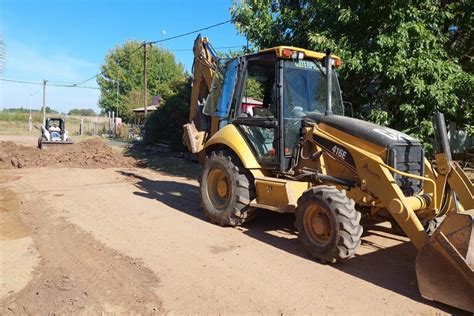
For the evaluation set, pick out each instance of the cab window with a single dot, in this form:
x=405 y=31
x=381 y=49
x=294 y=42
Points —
x=222 y=89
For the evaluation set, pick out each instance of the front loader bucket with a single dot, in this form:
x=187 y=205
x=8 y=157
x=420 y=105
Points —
x=45 y=144
x=445 y=263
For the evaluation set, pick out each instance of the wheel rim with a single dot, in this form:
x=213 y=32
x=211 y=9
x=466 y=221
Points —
x=317 y=224
x=218 y=188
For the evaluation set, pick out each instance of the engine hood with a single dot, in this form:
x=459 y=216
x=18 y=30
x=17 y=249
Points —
x=373 y=133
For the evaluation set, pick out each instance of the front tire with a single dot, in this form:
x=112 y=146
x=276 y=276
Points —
x=328 y=224
x=226 y=190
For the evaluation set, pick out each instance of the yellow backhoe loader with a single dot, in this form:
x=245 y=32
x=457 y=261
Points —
x=272 y=134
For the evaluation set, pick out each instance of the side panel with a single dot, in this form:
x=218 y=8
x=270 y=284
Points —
x=279 y=194
x=230 y=137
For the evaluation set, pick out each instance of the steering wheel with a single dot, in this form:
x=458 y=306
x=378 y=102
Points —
x=292 y=124
x=296 y=110
x=294 y=116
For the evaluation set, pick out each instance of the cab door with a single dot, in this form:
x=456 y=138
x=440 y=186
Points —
x=256 y=110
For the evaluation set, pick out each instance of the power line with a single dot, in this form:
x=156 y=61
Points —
x=166 y=50
x=180 y=35
x=74 y=86
x=168 y=39
x=78 y=84
x=191 y=32
x=49 y=84
x=190 y=49
x=20 y=81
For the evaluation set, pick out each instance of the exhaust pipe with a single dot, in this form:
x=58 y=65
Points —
x=328 y=82
x=442 y=136
x=443 y=145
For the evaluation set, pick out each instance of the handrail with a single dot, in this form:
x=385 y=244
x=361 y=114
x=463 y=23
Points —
x=409 y=175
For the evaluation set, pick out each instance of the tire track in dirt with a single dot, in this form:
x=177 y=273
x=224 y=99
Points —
x=78 y=274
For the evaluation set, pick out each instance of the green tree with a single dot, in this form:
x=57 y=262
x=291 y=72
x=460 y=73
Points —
x=18 y=110
x=49 y=110
x=122 y=70
x=402 y=59
x=82 y=112
x=166 y=124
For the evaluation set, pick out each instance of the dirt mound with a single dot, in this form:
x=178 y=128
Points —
x=91 y=153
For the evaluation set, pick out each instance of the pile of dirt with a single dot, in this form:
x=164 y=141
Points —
x=91 y=153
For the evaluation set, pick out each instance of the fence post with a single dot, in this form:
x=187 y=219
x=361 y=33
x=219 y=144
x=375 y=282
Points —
x=113 y=122
x=108 y=115
x=30 y=123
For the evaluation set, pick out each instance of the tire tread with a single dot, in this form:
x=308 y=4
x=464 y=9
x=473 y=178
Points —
x=347 y=219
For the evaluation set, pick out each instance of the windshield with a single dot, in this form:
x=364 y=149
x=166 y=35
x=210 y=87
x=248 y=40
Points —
x=304 y=90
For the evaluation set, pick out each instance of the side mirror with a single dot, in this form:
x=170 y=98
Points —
x=348 y=105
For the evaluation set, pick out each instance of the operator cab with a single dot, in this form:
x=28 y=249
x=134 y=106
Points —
x=274 y=87
x=55 y=127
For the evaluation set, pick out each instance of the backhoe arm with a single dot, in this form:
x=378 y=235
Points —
x=204 y=67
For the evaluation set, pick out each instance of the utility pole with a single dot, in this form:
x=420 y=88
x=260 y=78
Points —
x=144 y=80
x=44 y=101
x=116 y=102
x=30 y=120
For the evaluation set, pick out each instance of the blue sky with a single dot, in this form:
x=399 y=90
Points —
x=66 y=41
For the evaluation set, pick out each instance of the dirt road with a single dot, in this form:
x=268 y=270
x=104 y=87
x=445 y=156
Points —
x=135 y=240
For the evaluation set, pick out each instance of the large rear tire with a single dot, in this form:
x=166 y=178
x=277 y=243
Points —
x=328 y=224
x=226 y=190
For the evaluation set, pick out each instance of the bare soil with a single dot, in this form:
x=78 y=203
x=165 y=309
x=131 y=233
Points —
x=90 y=153
x=135 y=241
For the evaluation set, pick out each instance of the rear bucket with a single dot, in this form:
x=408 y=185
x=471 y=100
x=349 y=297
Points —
x=445 y=264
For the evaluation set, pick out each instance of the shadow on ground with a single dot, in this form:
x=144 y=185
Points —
x=183 y=197
x=392 y=268
x=165 y=162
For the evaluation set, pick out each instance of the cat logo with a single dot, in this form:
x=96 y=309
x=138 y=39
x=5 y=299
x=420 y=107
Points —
x=392 y=134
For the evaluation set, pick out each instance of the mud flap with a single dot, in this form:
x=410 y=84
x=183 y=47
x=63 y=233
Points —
x=445 y=264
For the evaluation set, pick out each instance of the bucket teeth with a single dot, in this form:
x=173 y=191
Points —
x=445 y=264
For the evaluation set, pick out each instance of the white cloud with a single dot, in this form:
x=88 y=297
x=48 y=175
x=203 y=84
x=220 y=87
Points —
x=25 y=63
